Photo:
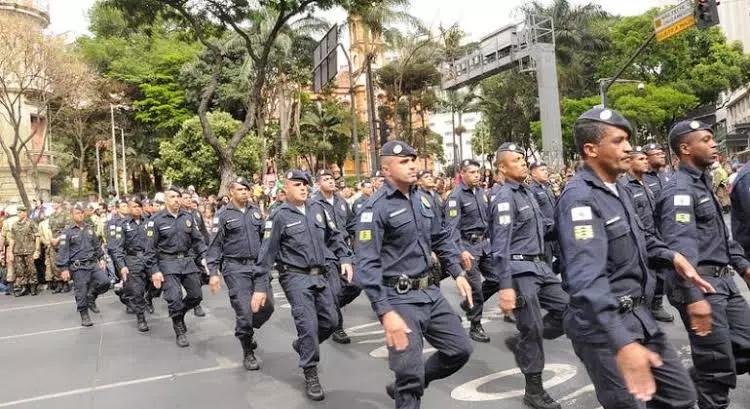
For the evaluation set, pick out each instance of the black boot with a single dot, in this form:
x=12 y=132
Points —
x=56 y=287
x=198 y=311
x=92 y=305
x=658 y=311
x=142 y=325
x=85 y=319
x=535 y=395
x=149 y=305
x=249 y=361
x=66 y=287
x=312 y=385
x=20 y=293
x=179 y=332
x=9 y=289
x=341 y=337
x=33 y=289
x=476 y=332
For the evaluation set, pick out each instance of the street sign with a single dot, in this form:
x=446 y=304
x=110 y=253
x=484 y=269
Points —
x=675 y=20
x=325 y=59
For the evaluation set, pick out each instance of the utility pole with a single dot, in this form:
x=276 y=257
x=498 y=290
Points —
x=124 y=171
x=98 y=171
x=114 y=150
x=374 y=157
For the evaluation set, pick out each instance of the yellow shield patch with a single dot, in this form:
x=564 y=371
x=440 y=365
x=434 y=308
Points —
x=683 y=218
x=585 y=232
x=365 y=235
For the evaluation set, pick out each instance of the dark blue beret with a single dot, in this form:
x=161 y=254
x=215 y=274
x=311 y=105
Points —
x=397 y=148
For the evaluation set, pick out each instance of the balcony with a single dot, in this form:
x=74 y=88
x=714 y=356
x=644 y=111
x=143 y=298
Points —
x=38 y=9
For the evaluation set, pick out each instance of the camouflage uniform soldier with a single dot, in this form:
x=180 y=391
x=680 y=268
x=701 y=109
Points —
x=24 y=249
x=9 y=276
x=52 y=229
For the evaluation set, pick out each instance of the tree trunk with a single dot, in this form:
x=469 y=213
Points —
x=453 y=134
x=80 y=173
x=15 y=171
x=460 y=135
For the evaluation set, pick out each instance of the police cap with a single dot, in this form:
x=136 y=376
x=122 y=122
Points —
x=469 y=162
x=424 y=172
x=173 y=188
x=685 y=127
x=638 y=150
x=398 y=148
x=298 y=175
x=510 y=147
x=537 y=165
x=324 y=172
x=652 y=147
x=607 y=116
x=243 y=181
x=78 y=206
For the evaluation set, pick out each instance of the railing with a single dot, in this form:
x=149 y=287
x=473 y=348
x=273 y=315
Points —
x=41 y=5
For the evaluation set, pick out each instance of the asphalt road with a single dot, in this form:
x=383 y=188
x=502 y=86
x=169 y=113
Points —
x=48 y=361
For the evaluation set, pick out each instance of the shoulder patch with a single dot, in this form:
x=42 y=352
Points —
x=365 y=235
x=451 y=203
x=504 y=219
x=581 y=213
x=682 y=200
x=366 y=217
x=503 y=207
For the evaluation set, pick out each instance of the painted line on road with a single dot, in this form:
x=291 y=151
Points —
x=52 y=304
x=223 y=365
x=61 y=330
x=469 y=391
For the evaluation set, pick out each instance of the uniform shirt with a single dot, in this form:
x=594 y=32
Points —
x=170 y=236
x=302 y=241
x=644 y=201
x=517 y=226
x=656 y=181
x=691 y=223
x=78 y=243
x=437 y=204
x=545 y=198
x=741 y=208
x=493 y=191
x=396 y=235
x=359 y=203
x=131 y=238
x=466 y=214
x=605 y=251
x=198 y=220
x=237 y=236
x=339 y=209
x=24 y=235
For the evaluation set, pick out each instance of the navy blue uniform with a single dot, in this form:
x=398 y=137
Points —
x=173 y=243
x=396 y=235
x=466 y=219
x=741 y=208
x=234 y=252
x=79 y=253
x=656 y=181
x=518 y=228
x=691 y=223
x=127 y=247
x=605 y=252
x=303 y=245
x=546 y=199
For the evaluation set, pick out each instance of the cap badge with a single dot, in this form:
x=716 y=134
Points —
x=397 y=149
x=605 y=115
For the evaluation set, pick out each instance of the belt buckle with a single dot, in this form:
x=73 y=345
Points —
x=76 y=264
x=403 y=284
x=626 y=303
x=315 y=271
x=516 y=257
x=180 y=256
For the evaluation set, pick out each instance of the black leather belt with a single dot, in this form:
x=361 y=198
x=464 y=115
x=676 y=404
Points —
x=528 y=257
x=715 y=271
x=629 y=303
x=136 y=253
x=80 y=263
x=403 y=283
x=312 y=271
x=174 y=256
x=240 y=260
x=474 y=238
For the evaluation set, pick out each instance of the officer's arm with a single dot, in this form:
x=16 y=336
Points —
x=98 y=246
x=453 y=218
x=740 y=197
x=446 y=248
x=63 y=253
x=676 y=222
x=198 y=240
x=502 y=211
x=268 y=251
x=204 y=231
x=150 y=253
x=116 y=246
x=216 y=248
x=335 y=241
x=369 y=277
x=584 y=245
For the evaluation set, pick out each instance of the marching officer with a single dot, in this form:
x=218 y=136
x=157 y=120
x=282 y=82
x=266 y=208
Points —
x=396 y=234
x=173 y=242
x=23 y=249
x=188 y=206
x=80 y=256
x=303 y=239
x=740 y=196
x=466 y=219
x=362 y=199
x=56 y=223
x=546 y=198
x=519 y=228
x=691 y=220
x=238 y=232
x=605 y=253
x=127 y=248
x=343 y=291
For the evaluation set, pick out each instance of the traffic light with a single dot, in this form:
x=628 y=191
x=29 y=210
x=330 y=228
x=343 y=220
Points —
x=706 y=13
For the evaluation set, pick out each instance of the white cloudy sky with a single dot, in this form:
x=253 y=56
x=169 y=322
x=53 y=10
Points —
x=69 y=16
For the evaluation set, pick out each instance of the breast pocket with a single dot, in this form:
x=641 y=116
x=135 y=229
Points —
x=295 y=229
x=705 y=211
x=231 y=226
x=620 y=244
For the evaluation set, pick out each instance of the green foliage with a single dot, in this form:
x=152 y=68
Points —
x=509 y=104
x=187 y=159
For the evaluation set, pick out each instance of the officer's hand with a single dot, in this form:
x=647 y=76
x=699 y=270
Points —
x=434 y=258
x=214 y=284
x=54 y=241
x=466 y=258
x=464 y=288
x=35 y=256
x=103 y=264
x=347 y=271
x=65 y=275
x=124 y=273
x=157 y=279
x=683 y=267
x=635 y=362
x=506 y=300
x=700 y=317
x=746 y=276
x=258 y=301
x=395 y=331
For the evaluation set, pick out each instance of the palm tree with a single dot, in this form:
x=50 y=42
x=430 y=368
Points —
x=458 y=103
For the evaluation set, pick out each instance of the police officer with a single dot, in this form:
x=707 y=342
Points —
x=81 y=257
x=656 y=176
x=466 y=219
x=114 y=228
x=127 y=248
x=426 y=183
x=23 y=248
x=546 y=198
x=396 y=233
x=691 y=220
x=303 y=239
x=518 y=229
x=343 y=291
x=189 y=206
x=366 y=192
x=173 y=242
x=57 y=223
x=233 y=252
x=605 y=252
x=740 y=196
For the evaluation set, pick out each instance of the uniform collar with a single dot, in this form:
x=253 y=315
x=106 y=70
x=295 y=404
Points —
x=391 y=190
x=513 y=184
x=588 y=174
x=463 y=186
x=232 y=206
x=632 y=179
x=694 y=172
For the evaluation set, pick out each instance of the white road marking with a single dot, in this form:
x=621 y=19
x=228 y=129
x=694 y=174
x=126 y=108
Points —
x=586 y=389
x=470 y=390
x=61 y=330
x=223 y=365
x=52 y=304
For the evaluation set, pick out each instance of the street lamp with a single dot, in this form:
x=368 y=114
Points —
x=605 y=83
